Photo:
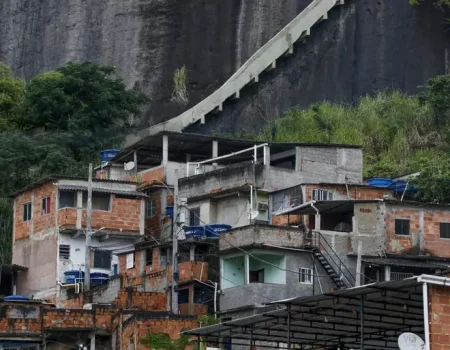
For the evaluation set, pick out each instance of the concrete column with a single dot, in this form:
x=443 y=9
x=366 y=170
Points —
x=247 y=269
x=142 y=218
x=165 y=155
x=215 y=151
x=135 y=163
x=266 y=156
x=387 y=273
x=317 y=226
x=421 y=233
x=298 y=159
x=163 y=201
x=92 y=346
x=79 y=209
x=142 y=261
x=192 y=253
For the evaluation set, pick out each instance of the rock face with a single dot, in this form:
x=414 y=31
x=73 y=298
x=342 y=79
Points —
x=366 y=45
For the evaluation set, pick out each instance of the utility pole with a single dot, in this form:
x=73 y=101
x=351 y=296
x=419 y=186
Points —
x=87 y=261
x=358 y=265
x=175 y=275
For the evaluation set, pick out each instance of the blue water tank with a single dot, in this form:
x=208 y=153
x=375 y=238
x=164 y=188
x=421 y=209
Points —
x=214 y=230
x=169 y=211
x=108 y=154
x=74 y=276
x=16 y=298
x=401 y=185
x=98 y=278
x=194 y=231
x=380 y=182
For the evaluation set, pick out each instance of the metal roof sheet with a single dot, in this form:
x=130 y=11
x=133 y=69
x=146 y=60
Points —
x=101 y=190
x=404 y=262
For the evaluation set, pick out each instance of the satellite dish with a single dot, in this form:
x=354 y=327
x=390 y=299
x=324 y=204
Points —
x=410 y=341
x=254 y=214
x=129 y=166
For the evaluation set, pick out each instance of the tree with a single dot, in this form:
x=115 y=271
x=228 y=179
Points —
x=433 y=183
x=11 y=97
x=436 y=94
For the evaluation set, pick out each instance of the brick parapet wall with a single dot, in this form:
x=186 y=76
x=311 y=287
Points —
x=439 y=317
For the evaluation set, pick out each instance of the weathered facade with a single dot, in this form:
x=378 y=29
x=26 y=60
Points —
x=49 y=225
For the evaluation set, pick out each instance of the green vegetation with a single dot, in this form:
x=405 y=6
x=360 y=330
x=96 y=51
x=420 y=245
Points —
x=437 y=3
x=160 y=341
x=180 y=80
x=399 y=133
x=57 y=124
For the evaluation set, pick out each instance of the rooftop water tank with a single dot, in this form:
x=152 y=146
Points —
x=214 y=230
x=194 y=231
x=74 y=276
x=108 y=154
x=380 y=182
x=15 y=298
x=98 y=278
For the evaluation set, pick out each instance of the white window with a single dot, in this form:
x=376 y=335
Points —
x=152 y=208
x=305 y=275
x=322 y=195
x=64 y=252
x=130 y=260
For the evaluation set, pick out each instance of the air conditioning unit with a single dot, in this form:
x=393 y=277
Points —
x=263 y=206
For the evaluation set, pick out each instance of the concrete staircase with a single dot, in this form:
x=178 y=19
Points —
x=264 y=59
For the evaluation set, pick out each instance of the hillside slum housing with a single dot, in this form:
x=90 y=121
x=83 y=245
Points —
x=255 y=223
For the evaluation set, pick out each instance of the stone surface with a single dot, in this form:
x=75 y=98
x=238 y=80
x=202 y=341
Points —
x=366 y=45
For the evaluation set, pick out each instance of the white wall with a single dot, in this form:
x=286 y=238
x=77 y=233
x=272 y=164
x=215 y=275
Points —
x=77 y=253
x=233 y=211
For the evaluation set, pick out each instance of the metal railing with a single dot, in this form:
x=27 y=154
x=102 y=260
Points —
x=398 y=276
x=265 y=57
x=318 y=241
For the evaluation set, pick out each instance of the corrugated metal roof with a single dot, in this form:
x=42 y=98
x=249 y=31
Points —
x=403 y=263
x=101 y=190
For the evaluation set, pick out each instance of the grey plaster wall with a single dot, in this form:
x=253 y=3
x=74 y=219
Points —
x=262 y=293
x=106 y=294
x=262 y=234
x=38 y=253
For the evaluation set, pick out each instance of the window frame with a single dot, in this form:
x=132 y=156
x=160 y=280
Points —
x=96 y=194
x=447 y=225
x=66 y=192
x=318 y=194
x=65 y=246
x=102 y=267
x=46 y=205
x=305 y=275
x=130 y=261
x=402 y=221
x=151 y=209
x=194 y=215
x=146 y=256
x=27 y=211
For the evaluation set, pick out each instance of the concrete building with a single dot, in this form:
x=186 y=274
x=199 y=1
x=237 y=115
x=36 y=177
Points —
x=49 y=230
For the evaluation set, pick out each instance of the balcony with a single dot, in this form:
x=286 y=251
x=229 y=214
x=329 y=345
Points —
x=262 y=235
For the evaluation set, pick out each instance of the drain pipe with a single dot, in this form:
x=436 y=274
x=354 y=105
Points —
x=425 y=315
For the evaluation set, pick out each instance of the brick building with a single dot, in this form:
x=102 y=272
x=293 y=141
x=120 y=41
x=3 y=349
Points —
x=49 y=226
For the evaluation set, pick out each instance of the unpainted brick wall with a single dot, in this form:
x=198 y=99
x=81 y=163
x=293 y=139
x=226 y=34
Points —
x=439 y=317
x=355 y=192
x=61 y=318
x=143 y=301
x=39 y=222
x=432 y=242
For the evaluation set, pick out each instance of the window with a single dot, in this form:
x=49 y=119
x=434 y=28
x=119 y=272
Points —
x=64 y=252
x=149 y=257
x=165 y=256
x=102 y=259
x=305 y=276
x=130 y=260
x=183 y=296
x=27 y=209
x=194 y=216
x=67 y=199
x=45 y=207
x=445 y=229
x=256 y=276
x=151 y=207
x=322 y=195
x=402 y=227
x=100 y=201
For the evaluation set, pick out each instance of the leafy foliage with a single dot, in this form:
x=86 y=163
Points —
x=6 y=214
x=160 y=341
x=437 y=3
x=11 y=97
x=180 y=80
x=59 y=122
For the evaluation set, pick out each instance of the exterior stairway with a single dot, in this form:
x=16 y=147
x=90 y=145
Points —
x=331 y=262
x=264 y=59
